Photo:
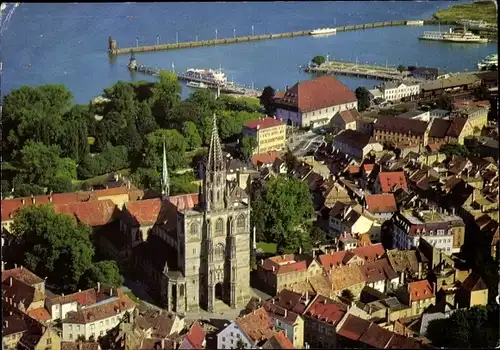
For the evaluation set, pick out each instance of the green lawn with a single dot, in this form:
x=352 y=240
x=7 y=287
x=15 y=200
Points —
x=475 y=11
x=98 y=179
x=132 y=296
x=269 y=248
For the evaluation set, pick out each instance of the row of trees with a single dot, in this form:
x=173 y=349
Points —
x=55 y=246
x=50 y=143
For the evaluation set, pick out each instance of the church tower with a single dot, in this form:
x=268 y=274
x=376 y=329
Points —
x=215 y=174
x=165 y=180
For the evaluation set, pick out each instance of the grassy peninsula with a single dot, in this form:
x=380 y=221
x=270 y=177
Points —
x=475 y=11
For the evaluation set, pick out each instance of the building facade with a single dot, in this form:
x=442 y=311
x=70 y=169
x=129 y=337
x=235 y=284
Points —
x=397 y=91
x=270 y=134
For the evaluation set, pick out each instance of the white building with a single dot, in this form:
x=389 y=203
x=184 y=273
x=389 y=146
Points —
x=96 y=320
x=313 y=103
x=418 y=115
x=395 y=91
x=434 y=227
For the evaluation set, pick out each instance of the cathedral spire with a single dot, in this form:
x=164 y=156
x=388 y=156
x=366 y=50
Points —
x=215 y=157
x=165 y=181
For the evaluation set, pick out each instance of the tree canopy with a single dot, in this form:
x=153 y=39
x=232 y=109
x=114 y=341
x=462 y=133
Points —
x=282 y=211
x=318 y=60
x=56 y=246
x=363 y=97
x=267 y=100
x=451 y=149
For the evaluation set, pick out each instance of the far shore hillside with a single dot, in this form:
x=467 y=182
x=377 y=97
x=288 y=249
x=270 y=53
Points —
x=477 y=11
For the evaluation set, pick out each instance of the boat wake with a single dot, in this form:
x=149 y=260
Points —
x=9 y=8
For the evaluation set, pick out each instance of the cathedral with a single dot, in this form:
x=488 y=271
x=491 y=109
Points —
x=203 y=241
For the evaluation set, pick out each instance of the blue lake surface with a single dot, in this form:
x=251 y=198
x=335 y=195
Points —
x=67 y=43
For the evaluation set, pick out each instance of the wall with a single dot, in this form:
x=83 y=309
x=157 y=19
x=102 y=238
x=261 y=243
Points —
x=306 y=119
x=418 y=307
x=271 y=139
x=229 y=336
x=444 y=242
x=479 y=297
x=49 y=340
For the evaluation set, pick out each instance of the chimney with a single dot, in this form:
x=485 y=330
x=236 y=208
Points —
x=419 y=270
x=33 y=200
x=272 y=301
x=80 y=345
x=163 y=343
x=314 y=253
x=21 y=267
x=402 y=278
x=23 y=202
x=274 y=268
x=434 y=287
x=300 y=250
x=50 y=198
x=307 y=296
x=453 y=211
x=10 y=281
x=3 y=266
x=129 y=185
x=98 y=286
x=79 y=290
x=110 y=292
x=6 y=324
x=285 y=312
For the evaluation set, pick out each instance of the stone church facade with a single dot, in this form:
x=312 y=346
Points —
x=207 y=256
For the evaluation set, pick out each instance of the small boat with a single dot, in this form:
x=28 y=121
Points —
x=490 y=60
x=323 y=31
x=196 y=85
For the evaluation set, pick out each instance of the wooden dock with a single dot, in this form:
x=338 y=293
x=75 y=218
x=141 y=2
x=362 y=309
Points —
x=113 y=48
x=358 y=70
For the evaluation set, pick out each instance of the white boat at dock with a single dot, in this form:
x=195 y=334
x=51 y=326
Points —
x=457 y=35
x=489 y=61
x=196 y=85
x=323 y=31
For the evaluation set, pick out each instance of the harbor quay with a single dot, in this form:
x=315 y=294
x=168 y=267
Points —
x=387 y=73
x=113 y=48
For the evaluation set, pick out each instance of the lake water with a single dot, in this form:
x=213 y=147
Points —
x=67 y=43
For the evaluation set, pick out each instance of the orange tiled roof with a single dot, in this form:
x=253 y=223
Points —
x=102 y=311
x=185 y=201
x=263 y=123
x=376 y=336
x=93 y=213
x=80 y=345
x=420 y=290
x=389 y=179
x=380 y=203
x=83 y=298
x=370 y=252
x=145 y=212
x=41 y=314
x=326 y=310
x=196 y=336
x=22 y=274
x=378 y=270
x=346 y=276
x=264 y=158
x=281 y=264
x=257 y=325
x=353 y=327
x=279 y=340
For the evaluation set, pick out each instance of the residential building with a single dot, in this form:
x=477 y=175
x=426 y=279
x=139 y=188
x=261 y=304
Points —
x=158 y=324
x=313 y=103
x=389 y=129
x=459 y=82
x=344 y=278
x=252 y=330
x=395 y=91
x=453 y=130
x=419 y=295
x=291 y=323
x=364 y=125
x=96 y=320
x=354 y=220
x=416 y=114
x=382 y=205
x=411 y=263
x=380 y=275
x=20 y=331
x=194 y=338
x=476 y=112
x=321 y=317
x=80 y=345
x=438 y=113
x=424 y=73
x=278 y=341
x=270 y=134
x=264 y=160
x=345 y=120
x=355 y=144
x=282 y=271
x=390 y=181
x=442 y=230
x=95 y=214
x=473 y=291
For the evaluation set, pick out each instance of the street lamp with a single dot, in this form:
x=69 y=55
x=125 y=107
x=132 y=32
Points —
x=137 y=41
x=196 y=37
x=176 y=37
x=215 y=33
x=234 y=33
x=158 y=39
x=253 y=30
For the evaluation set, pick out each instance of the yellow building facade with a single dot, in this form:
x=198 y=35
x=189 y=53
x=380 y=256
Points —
x=270 y=134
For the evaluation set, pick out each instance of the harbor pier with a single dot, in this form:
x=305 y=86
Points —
x=115 y=50
x=387 y=73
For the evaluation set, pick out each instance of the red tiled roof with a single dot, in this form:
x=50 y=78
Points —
x=264 y=158
x=145 y=212
x=353 y=327
x=349 y=115
x=83 y=298
x=420 y=290
x=281 y=264
x=400 y=342
x=370 y=252
x=328 y=261
x=380 y=203
x=257 y=325
x=326 y=310
x=389 y=179
x=279 y=312
x=367 y=167
x=318 y=93
x=292 y=301
x=93 y=213
x=22 y=274
x=378 y=270
x=16 y=291
x=353 y=169
x=41 y=314
x=376 y=336
x=282 y=341
x=196 y=336
x=102 y=311
x=185 y=201
x=263 y=123
x=79 y=345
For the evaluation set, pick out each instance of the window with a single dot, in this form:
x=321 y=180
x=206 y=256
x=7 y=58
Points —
x=101 y=324
x=194 y=251
x=223 y=338
x=70 y=327
x=71 y=336
x=240 y=223
x=219 y=226
x=49 y=341
x=78 y=327
x=107 y=322
x=101 y=333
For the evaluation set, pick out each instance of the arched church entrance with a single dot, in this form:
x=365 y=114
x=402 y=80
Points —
x=219 y=291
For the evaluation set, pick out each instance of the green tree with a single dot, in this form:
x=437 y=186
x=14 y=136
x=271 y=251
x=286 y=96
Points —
x=106 y=272
x=401 y=68
x=165 y=97
x=145 y=121
x=112 y=158
x=247 y=146
x=146 y=178
x=363 y=97
x=451 y=149
x=191 y=135
x=318 y=60
x=346 y=293
x=238 y=104
x=231 y=123
x=472 y=328
x=74 y=138
x=175 y=145
x=444 y=102
x=183 y=184
x=282 y=211
x=240 y=344
x=291 y=161
x=52 y=245
x=267 y=100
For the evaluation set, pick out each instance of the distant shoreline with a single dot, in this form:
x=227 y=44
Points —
x=483 y=11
